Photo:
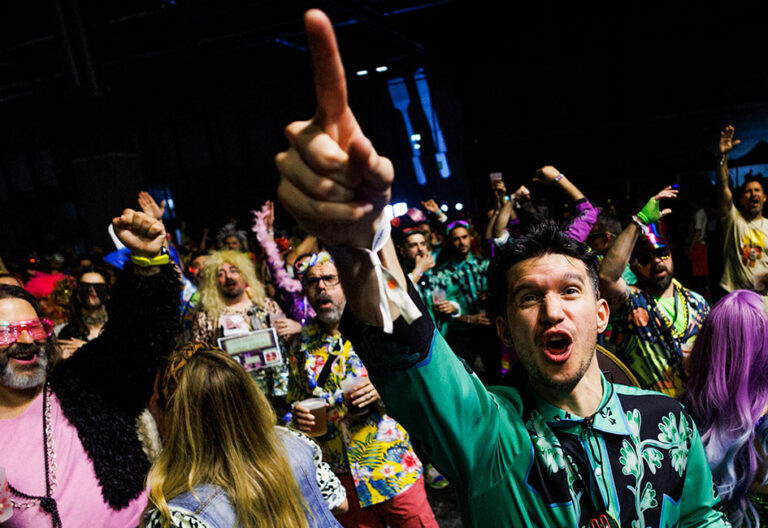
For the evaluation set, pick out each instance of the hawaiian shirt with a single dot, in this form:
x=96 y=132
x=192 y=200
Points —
x=273 y=381
x=463 y=282
x=517 y=460
x=647 y=345
x=373 y=447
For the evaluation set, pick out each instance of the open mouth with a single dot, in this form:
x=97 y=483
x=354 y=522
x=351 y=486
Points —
x=558 y=347
x=25 y=358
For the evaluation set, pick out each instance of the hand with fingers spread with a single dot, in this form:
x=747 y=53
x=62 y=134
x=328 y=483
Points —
x=726 y=140
x=332 y=180
x=142 y=234
x=69 y=346
x=150 y=206
x=651 y=212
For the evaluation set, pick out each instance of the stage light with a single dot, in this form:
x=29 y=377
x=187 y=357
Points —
x=459 y=206
x=444 y=208
x=381 y=69
x=360 y=73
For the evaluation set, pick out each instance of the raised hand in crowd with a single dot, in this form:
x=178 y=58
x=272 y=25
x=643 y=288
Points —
x=431 y=206
x=724 y=147
x=333 y=182
x=150 y=206
x=141 y=233
x=549 y=175
x=727 y=142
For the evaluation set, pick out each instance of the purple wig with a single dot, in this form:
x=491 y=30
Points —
x=727 y=393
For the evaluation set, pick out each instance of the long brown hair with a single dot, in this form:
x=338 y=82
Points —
x=222 y=432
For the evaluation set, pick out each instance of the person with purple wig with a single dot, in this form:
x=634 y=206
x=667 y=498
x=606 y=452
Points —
x=727 y=395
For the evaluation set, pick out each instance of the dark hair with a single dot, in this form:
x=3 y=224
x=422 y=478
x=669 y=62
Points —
x=749 y=178
x=543 y=239
x=14 y=292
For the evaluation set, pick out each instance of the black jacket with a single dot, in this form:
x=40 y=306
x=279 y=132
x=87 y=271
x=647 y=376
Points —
x=105 y=385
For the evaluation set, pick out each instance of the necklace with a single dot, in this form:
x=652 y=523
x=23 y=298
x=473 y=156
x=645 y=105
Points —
x=678 y=336
x=47 y=503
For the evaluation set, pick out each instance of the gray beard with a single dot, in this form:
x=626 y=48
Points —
x=12 y=379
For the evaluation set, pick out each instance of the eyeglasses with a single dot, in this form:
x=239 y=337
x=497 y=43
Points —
x=328 y=280
x=645 y=258
x=39 y=329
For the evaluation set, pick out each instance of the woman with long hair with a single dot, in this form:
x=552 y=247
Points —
x=224 y=463
x=727 y=395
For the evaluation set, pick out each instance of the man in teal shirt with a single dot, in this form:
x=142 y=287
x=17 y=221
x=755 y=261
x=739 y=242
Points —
x=461 y=318
x=561 y=447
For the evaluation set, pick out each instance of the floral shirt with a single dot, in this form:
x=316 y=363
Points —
x=517 y=460
x=373 y=447
x=272 y=381
x=463 y=282
x=648 y=346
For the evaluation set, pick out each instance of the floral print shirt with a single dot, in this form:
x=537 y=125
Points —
x=373 y=447
x=517 y=460
x=645 y=343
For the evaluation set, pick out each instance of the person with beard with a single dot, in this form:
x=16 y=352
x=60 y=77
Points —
x=461 y=316
x=413 y=247
x=564 y=446
x=68 y=434
x=745 y=229
x=655 y=321
x=233 y=302
x=369 y=451
x=87 y=311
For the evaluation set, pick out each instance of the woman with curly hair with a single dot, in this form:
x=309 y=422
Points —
x=727 y=394
x=224 y=464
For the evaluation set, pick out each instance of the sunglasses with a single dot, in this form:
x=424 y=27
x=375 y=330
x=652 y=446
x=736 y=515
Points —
x=39 y=329
x=645 y=258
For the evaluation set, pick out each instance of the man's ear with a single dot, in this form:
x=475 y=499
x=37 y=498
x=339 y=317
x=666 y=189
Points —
x=502 y=329
x=603 y=315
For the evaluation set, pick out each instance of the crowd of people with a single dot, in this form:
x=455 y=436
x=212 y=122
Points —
x=321 y=370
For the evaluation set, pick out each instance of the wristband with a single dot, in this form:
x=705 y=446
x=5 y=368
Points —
x=559 y=177
x=640 y=224
x=158 y=260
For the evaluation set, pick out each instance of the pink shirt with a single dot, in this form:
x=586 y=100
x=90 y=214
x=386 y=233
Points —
x=78 y=493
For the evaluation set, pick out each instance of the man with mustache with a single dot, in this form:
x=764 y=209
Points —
x=656 y=321
x=369 y=451
x=68 y=434
x=745 y=229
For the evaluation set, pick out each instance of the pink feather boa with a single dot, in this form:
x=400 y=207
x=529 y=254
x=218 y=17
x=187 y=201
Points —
x=283 y=281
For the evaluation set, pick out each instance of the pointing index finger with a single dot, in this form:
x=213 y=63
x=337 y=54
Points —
x=330 y=83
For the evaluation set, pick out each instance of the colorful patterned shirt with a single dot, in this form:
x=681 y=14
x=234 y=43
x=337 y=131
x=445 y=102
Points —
x=373 y=447
x=516 y=460
x=463 y=282
x=646 y=343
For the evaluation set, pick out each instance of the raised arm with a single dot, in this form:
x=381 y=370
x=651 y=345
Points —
x=336 y=186
x=549 y=175
x=612 y=287
x=724 y=195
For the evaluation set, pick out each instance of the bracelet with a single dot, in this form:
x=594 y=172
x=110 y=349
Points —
x=643 y=227
x=559 y=177
x=158 y=260
x=723 y=159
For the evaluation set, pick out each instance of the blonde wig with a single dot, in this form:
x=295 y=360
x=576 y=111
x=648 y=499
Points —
x=222 y=432
x=210 y=297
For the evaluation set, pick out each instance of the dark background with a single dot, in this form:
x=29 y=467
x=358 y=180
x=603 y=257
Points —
x=100 y=99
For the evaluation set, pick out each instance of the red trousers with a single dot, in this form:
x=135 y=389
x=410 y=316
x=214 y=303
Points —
x=410 y=509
